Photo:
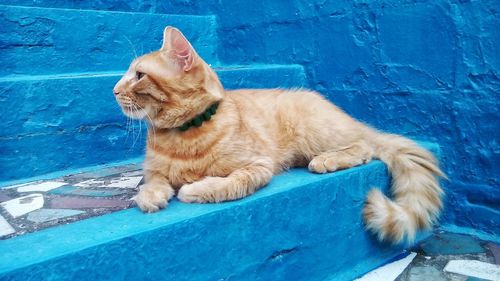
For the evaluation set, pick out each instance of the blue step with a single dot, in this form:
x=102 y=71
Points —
x=54 y=41
x=301 y=226
x=112 y=5
x=75 y=118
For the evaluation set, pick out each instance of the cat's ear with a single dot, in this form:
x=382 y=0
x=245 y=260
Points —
x=178 y=48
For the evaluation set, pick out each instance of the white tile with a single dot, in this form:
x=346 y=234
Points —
x=388 y=272
x=426 y=273
x=125 y=182
x=19 y=185
x=90 y=183
x=474 y=268
x=133 y=173
x=5 y=228
x=44 y=215
x=23 y=205
x=41 y=187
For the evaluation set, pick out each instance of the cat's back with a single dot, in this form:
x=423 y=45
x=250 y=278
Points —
x=282 y=103
x=255 y=97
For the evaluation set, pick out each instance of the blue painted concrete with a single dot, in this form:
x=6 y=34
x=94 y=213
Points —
x=111 y=5
x=75 y=118
x=83 y=99
x=35 y=154
x=470 y=231
x=299 y=227
x=49 y=41
x=451 y=244
x=423 y=68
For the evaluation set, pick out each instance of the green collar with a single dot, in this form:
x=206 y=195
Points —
x=200 y=118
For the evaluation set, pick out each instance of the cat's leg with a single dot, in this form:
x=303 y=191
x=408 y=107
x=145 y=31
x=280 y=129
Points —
x=344 y=158
x=240 y=183
x=154 y=194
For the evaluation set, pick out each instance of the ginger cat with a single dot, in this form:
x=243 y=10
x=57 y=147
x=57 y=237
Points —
x=213 y=145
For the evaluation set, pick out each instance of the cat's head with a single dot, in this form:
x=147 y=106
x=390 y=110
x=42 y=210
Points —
x=170 y=86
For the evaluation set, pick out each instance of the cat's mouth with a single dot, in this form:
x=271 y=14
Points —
x=130 y=109
x=133 y=111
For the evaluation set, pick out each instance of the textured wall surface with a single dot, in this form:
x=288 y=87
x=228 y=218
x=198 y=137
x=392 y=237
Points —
x=426 y=69
x=47 y=41
x=68 y=121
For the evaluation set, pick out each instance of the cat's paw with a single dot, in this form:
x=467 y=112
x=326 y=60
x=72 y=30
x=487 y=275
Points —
x=319 y=165
x=208 y=190
x=331 y=162
x=150 y=200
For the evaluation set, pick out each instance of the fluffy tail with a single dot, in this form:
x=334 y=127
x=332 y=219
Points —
x=415 y=187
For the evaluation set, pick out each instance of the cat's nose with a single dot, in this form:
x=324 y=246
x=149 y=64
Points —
x=116 y=89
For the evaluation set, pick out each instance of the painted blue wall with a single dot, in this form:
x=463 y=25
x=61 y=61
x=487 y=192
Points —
x=40 y=41
x=424 y=68
x=59 y=66
x=72 y=120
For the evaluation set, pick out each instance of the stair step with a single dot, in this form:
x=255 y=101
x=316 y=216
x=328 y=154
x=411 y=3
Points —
x=50 y=41
x=115 y=5
x=75 y=116
x=301 y=226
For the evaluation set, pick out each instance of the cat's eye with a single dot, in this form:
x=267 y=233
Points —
x=139 y=75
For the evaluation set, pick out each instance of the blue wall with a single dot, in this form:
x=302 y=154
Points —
x=57 y=110
x=70 y=121
x=429 y=69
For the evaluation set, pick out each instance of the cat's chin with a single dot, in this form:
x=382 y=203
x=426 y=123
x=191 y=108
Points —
x=134 y=113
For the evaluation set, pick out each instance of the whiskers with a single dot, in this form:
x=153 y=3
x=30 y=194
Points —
x=133 y=111
x=152 y=127
x=127 y=126
x=134 y=52
x=136 y=111
x=131 y=127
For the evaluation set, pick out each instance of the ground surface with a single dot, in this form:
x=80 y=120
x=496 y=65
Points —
x=37 y=205
x=435 y=252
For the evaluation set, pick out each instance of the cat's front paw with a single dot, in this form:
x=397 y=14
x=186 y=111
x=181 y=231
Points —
x=208 y=190
x=150 y=200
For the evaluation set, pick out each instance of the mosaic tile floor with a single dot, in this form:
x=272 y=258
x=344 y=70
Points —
x=443 y=256
x=437 y=254
x=36 y=205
